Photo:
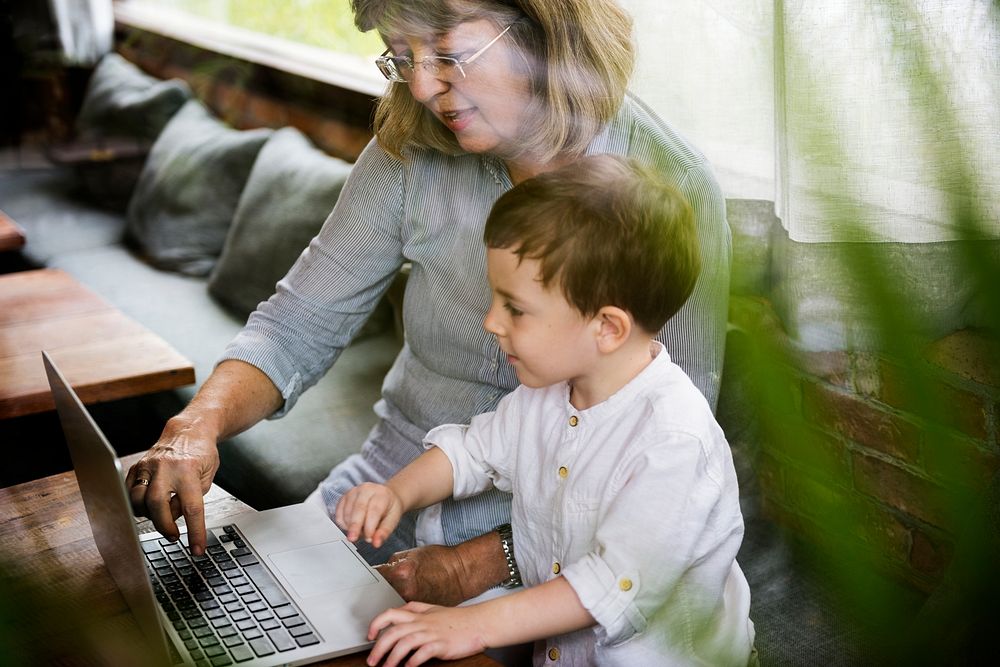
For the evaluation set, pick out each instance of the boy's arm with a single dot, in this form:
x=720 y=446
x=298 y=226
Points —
x=550 y=609
x=373 y=510
x=427 y=480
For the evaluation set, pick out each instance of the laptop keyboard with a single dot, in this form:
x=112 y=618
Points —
x=226 y=607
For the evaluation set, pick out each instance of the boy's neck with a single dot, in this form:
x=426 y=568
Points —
x=611 y=372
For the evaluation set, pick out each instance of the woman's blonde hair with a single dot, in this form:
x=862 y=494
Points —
x=578 y=55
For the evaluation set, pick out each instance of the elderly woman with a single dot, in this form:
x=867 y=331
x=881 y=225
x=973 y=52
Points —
x=484 y=94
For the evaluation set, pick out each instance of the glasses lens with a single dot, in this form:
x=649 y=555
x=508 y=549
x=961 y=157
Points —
x=445 y=69
x=394 y=68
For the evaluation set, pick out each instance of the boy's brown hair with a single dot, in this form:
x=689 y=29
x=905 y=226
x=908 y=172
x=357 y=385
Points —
x=611 y=231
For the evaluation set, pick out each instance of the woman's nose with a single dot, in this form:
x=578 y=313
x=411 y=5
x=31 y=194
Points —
x=424 y=85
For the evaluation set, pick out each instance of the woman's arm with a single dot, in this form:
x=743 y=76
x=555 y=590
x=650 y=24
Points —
x=448 y=575
x=181 y=465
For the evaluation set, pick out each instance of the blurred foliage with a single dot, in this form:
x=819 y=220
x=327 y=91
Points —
x=48 y=622
x=327 y=24
x=953 y=625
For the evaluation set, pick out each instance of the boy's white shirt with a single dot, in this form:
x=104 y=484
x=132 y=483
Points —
x=645 y=524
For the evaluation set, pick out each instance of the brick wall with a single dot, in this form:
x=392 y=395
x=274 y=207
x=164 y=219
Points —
x=865 y=454
x=247 y=95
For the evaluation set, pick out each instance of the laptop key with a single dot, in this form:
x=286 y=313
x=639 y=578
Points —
x=247 y=560
x=261 y=647
x=307 y=640
x=293 y=621
x=282 y=640
x=254 y=607
x=221 y=661
x=300 y=631
x=150 y=546
x=242 y=653
x=286 y=611
x=268 y=586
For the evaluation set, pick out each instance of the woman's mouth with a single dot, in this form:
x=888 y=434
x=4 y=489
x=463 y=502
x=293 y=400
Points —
x=456 y=121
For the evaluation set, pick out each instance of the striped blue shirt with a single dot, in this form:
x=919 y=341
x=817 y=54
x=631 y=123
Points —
x=430 y=211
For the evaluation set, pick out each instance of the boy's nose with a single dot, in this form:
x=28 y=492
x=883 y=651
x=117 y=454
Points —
x=491 y=323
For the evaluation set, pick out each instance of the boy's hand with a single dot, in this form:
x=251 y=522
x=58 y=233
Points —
x=369 y=510
x=426 y=631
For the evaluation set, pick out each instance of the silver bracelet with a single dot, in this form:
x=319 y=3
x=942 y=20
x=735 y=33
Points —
x=507 y=542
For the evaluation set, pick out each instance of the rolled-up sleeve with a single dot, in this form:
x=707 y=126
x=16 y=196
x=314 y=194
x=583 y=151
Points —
x=480 y=453
x=295 y=336
x=648 y=538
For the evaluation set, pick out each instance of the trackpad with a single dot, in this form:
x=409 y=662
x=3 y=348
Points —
x=322 y=568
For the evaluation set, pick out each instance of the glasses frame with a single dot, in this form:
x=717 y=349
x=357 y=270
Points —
x=389 y=67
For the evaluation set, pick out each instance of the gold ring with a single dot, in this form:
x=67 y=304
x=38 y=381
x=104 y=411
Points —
x=142 y=481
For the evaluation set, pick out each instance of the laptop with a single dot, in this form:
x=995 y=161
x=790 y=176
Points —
x=278 y=587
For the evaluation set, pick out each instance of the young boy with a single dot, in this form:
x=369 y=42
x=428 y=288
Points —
x=625 y=505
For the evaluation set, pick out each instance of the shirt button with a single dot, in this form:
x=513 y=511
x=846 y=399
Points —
x=563 y=472
x=556 y=568
x=553 y=654
x=573 y=421
x=625 y=584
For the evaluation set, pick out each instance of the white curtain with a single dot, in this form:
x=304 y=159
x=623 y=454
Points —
x=85 y=27
x=864 y=120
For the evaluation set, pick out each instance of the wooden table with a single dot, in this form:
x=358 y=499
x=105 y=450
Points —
x=71 y=612
x=104 y=354
x=11 y=236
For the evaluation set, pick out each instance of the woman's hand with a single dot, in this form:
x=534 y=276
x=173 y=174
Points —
x=447 y=575
x=426 y=631
x=369 y=510
x=175 y=474
x=171 y=479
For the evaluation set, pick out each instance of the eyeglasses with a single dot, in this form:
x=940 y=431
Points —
x=399 y=69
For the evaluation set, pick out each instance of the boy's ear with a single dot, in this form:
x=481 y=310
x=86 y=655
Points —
x=614 y=328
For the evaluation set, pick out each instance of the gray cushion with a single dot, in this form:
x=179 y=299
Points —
x=122 y=100
x=291 y=190
x=186 y=196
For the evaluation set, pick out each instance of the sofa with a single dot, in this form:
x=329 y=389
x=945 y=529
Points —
x=185 y=224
